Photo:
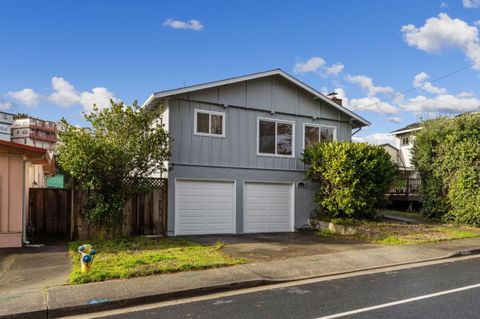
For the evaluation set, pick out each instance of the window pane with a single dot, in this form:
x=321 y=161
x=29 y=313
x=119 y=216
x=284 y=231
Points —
x=202 y=122
x=266 y=135
x=312 y=135
x=327 y=134
x=284 y=139
x=216 y=124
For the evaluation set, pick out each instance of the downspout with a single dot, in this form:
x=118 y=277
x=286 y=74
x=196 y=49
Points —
x=24 y=204
x=356 y=131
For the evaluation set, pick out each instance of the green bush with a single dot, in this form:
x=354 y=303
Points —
x=353 y=178
x=446 y=154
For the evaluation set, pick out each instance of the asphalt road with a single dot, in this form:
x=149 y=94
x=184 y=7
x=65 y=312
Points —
x=446 y=290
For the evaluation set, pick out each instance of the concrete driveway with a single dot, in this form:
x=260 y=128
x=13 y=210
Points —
x=274 y=246
x=23 y=269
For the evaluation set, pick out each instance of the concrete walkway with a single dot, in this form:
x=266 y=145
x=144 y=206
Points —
x=64 y=300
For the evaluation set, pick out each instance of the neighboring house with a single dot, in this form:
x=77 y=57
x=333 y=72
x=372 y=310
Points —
x=34 y=132
x=6 y=122
x=402 y=152
x=237 y=146
x=16 y=161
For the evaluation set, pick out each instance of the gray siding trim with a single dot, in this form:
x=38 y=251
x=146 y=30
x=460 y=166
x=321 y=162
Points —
x=238 y=167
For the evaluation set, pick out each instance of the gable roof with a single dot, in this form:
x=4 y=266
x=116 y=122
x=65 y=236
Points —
x=408 y=128
x=280 y=72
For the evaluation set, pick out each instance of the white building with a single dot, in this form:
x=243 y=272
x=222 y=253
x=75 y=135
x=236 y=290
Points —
x=401 y=153
x=34 y=132
x=6 y=122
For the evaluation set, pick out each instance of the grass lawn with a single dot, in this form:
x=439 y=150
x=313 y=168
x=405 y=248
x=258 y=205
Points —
x=392 y=233
x=140 y=256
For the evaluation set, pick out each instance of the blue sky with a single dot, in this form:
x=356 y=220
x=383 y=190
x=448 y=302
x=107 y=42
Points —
x=58 y=57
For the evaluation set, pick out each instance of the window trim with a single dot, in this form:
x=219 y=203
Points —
x=210 y=113
x=319 y=131
x=276 y=121
x=403 y=138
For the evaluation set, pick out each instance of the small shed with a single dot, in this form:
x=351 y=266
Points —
x=16 y=160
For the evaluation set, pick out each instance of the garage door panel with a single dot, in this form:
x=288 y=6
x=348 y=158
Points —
x=204 y=207
x=267 y=207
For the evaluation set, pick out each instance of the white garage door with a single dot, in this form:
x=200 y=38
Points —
x=267 y=207
x=204 y=207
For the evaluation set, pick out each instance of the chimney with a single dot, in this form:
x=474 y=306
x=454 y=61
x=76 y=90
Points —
x=337 y=100
x=334 y=98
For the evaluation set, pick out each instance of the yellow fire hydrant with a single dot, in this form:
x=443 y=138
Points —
x=86 y=258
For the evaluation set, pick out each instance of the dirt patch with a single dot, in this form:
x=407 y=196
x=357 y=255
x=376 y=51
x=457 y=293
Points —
x=402 y=233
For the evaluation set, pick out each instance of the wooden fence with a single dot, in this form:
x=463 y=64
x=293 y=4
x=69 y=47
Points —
x=49 y=212
x=58 y=211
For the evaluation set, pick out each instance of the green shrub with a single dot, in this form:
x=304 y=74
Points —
x=353 y=178
x=447 y=156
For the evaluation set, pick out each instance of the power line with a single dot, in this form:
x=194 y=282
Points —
x=422 y=85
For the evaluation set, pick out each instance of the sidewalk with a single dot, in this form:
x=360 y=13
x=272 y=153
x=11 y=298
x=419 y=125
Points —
x=64 y=300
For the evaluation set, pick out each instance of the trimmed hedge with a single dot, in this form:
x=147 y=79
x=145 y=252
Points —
x=353 y=178
x=446 y=154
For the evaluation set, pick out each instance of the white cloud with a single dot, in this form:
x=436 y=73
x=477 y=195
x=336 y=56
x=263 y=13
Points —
x=334 y=69
x=443 y=32
x=312 y=65
x=444 y=4
x=375 y=139
x=192 y=24
x=64 y=93
x=471 y=4
x=4 y=105
x=421 y=81
x=373 y=104
x=465 y=94
x=99 y=96
x=366 y=84
x=26 y=96
x=442 y=103
x=395 y=119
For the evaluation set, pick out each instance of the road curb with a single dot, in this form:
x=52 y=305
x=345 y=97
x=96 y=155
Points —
x=167 y=296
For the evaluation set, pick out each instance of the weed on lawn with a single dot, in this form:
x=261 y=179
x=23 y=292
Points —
x=128 y=257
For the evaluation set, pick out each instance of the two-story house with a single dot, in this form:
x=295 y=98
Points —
x=237 y=146
x=402 y=152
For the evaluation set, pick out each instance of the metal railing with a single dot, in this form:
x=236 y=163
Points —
x=408 y=186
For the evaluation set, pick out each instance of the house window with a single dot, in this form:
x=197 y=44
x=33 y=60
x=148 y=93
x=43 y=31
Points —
x=405 y=140
x=313 y=134
x=275 y=137
x=209 y=123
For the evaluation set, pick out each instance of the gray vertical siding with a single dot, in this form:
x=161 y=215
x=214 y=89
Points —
x=243 y=103
x=239 y=147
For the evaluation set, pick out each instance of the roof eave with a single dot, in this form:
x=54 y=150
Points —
x=162 y=94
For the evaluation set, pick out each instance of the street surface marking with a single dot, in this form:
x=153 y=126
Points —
x=399 y=302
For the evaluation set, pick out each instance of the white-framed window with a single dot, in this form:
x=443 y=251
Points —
x=315 y=133
x=275 y=137
x=405 y=140
x=209 y=123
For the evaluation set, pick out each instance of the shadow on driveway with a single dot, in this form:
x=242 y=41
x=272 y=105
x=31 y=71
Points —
x=274 y=246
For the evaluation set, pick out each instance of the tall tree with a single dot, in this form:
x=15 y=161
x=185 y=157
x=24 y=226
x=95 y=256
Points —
x=109 y=159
